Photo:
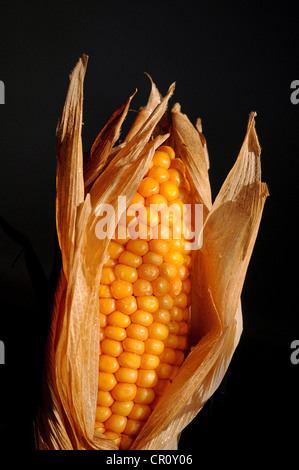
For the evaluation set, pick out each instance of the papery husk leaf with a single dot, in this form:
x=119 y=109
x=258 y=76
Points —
x=144 y=113
x=187 y=143
x=101 y=149
x=69 y=175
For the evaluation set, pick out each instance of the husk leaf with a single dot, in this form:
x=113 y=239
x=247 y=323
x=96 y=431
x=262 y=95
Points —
x=67 y=415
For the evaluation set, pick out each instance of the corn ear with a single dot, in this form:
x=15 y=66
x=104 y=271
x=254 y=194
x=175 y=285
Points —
x=67 y=414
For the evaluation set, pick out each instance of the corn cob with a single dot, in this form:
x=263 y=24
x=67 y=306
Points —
x=144 y=303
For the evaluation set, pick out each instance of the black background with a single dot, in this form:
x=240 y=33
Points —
x=227 y=60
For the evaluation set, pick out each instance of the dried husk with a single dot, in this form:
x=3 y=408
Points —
x=67 y=414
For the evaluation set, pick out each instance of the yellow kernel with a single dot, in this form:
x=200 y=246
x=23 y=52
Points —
x=176 y=177
x=156 y=200
x=162 y=316
x=158 y=331
x=126 y=442
x=172 y=341
x=144 y=395
x=115 y=249
x=183 y=328
x=160 y=286
x=103 y=413
x=146 y=378
x=168 y=355
x=142 y=317
x=149 y=303
x=161 y=158
x=130 y=360
x=110 y=263
x=148 y=216
x=102 y=334
x=179 y=357
x=107 y=381
x=127 y=305
x=170 y=191
x=161 y=386
x=186 y=286
x=178 y=165
x=133 y=427
x=183 y=272
x=113 y=436
x=174 y=327
x=153 y=258
x=182 y=342
x=149 y=272
x=167 y=149
x=175 y=257
x=130 y=259
x=137 y=331
x=148 y=186
x=120 y=289
x=140 y=411
x=122 y=408
x=108 y=363
x=103 y=320
x=149 y=361
x=176 y=314
x=99 y=427
x=134 y=345
x=137 y=199
x=119 y=319
x=165 y=301
x=186 y=314
x=168 y=270
x=154 y=346
x=126 y=273
x=115 y=332
x=105 y=291
x=142 y=287
x=164 y=370
x=127 y=375
x=116 y=423
x=159 y=246
x=181 y=300
x=159 y=173
x=124 y=392
x=107 y=276
x=111 y=347
x=138 y=247
x=186 y=247
x=104 y=398
x=107 y=306
x=187 y=261
x=175 y=286
x=176 y=244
